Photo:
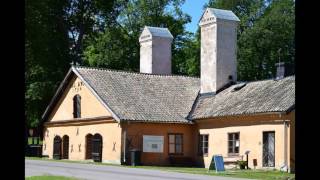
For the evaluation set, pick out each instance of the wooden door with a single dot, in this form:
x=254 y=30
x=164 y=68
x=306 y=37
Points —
x=57 y=147
x=65 y=147
x=97 y=148
x=89 y=146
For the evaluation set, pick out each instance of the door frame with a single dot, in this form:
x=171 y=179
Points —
x=274 y=149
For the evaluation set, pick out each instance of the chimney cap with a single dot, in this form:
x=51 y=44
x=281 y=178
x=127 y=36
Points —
x=155 y=32
x=220 y=14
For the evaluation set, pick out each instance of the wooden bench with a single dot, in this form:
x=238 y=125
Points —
x=181 y=161
x=231 y=161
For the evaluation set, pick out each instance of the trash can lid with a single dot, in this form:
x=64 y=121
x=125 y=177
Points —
x=134 y=150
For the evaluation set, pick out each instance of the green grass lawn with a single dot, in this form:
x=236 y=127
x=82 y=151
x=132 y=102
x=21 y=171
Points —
x=49 y=178
x=250 y=174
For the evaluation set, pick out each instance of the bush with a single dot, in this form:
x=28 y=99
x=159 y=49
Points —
x=242 y=164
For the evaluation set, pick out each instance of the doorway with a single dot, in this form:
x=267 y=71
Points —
x=268 y=154
x=57 y=147
x=97 y=148
x=88 y=146
x=65 y=147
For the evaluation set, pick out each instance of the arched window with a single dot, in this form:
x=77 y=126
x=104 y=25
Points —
x=77 y=106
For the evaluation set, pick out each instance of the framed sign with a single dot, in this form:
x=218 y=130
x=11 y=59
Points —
x=153 y=144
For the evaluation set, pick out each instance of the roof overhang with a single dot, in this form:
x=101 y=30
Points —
x=251 y=114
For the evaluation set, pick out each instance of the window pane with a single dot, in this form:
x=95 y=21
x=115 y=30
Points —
x=237 y=143
x=236 y=150
x=171 y=148
x=230 y=136
x=206 y=138
x=205 y=150
x=200 y=138
x=178 y=139
x=171 y=138
x=230 y=150
x=178 y=148
x=205 y=144
x=237 y=136
x=230 y=144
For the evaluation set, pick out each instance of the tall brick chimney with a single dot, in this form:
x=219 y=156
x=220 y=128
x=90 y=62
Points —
x=218 y=49
x=155 y=50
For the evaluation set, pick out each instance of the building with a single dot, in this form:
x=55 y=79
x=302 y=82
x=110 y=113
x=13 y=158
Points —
x=102 y=114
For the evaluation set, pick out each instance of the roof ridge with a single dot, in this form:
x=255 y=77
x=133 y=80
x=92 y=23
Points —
x=157 y=27
x=270 y=79
x=139 y=73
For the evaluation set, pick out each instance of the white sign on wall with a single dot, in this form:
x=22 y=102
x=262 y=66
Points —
x=153 y=143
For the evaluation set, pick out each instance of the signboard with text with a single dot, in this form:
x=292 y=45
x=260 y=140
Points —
x=153 y=143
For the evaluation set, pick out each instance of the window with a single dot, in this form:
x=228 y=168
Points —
x=233 y=143
x=77 y=106
x=203 y=144
x=175 y=143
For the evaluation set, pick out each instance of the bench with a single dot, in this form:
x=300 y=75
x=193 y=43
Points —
x=181 y=161
x=231 y=161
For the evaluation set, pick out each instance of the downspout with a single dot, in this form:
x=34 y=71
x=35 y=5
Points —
x=285 y=149
x=124 y=144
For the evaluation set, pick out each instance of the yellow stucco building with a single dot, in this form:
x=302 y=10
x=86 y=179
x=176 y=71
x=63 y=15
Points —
x=102 y=114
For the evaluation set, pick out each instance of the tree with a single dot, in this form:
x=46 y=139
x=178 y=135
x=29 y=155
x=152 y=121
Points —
x=54 y=36
x=266 y=26
x=269 y=40
x=118 y=46
x=47 y=56
x=84 y=18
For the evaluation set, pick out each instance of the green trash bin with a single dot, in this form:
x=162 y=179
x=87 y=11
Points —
x=135 y=157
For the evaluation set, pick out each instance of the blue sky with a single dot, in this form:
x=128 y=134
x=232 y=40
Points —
x=194 y=9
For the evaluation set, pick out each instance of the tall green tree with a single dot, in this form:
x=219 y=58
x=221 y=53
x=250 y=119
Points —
x=248 y=12
x=265 y=35
x=54 y=35
x=118 y=46
x=270 y=40
x=47 y=55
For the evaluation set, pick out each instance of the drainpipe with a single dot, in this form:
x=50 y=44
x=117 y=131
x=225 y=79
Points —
x=285 y=149
x=124 y=145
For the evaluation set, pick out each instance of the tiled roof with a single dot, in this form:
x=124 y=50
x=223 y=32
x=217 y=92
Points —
x=143 y=97
x=254 y=97
x=176 y=99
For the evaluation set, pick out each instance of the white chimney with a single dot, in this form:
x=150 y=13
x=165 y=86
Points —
x=155 y=50
x=218 y=49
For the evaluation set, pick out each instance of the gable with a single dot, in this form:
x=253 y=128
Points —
x=90 y=105
x=145 y=35
x=207 y=17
